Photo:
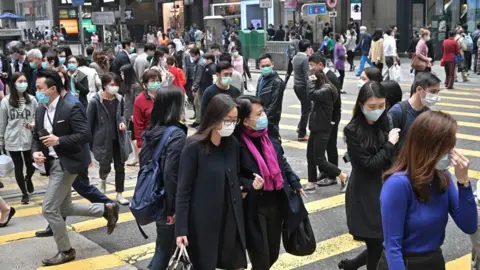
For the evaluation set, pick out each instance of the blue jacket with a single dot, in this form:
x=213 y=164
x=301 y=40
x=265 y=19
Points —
x=365 y=44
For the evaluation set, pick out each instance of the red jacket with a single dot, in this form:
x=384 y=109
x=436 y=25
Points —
x=180 y=79
x=142 y=110
x=450 y=48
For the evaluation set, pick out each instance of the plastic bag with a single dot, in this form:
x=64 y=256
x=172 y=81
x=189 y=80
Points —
x=6 y=164
x=395 y=73
x=180 y=260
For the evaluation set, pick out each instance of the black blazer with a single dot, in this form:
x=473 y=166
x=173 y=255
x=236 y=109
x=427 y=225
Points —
x=6 y=68
x=70 y=125
x=121 y=60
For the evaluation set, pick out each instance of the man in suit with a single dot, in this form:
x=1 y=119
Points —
x=35 y=59
x=61 y=128
x=123 y=57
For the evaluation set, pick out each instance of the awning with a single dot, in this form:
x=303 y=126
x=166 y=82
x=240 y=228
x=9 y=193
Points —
x=8 y=15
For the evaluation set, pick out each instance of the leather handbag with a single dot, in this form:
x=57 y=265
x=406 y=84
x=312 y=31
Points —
x=180 y=260
x=418 y=64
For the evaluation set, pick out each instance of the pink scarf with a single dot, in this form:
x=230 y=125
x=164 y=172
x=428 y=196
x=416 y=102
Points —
x=269 y=169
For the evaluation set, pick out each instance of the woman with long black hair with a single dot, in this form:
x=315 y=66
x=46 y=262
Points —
x=209 y=212
x=166 y=121
x=377 y=55
x=130 y=89
x=370 y=145
x=17 y=117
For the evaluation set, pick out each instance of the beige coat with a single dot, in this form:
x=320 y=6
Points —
x=376 y=52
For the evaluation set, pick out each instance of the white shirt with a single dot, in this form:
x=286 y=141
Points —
x=49 y=115
x=389 y=46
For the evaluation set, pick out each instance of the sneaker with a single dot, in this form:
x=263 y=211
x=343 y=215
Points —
x=303 y=139
x=102 y=186
x=344 y=184
x=325 y=182
x=343 y=92
x=30 y=187
x=121 y=200
x=25 y=199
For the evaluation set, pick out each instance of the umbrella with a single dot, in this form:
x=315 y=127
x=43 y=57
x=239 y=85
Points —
x=8 y=15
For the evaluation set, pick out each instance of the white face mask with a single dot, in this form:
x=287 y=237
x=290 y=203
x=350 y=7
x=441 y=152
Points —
x=430 y=99
x=112 y=90
x=227 y=130
x=360 y=83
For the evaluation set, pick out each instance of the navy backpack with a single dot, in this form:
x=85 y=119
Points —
x=148 y=203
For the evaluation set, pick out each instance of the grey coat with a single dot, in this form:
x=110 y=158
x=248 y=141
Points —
x=99 y=120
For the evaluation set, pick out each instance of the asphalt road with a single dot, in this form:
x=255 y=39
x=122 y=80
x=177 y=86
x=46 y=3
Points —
x=126 y=248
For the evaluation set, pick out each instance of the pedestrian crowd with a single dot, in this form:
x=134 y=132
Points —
x=227 y=192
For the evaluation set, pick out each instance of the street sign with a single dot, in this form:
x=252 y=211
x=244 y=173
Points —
x=265 y=3
x=77 y=3
x=318 y=9
x=103 y=18
x=331 y=4
x=332 y=14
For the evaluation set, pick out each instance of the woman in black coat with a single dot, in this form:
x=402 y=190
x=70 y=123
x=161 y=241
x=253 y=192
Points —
x=370 y=146
x=209 y=213
x=262 y=155
x=77 y=81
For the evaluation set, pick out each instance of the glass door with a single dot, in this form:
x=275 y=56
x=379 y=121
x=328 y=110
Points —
x=418 y=14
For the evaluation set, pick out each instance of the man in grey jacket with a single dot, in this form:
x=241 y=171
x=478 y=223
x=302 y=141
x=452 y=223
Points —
x=141 y=63
x=300 y=85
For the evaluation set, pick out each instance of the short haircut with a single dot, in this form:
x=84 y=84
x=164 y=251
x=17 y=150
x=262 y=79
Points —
x=318 y=58
x=265 y=56
x=36 y=53
x=225 y=57
x=151 y=74
x=478 y=26
x=109 y=77
x=389 y=31
x=126 y=43
x=149 y=47
x=90 y=50
x=215 y=47
x=82 y=60
x=209 y=56
x=52 y=56
x=303 y=45
x=195 y=51
x=426 y=79
x=51 y=78
x=223 y=65
x=171 y=60
x=363 y=28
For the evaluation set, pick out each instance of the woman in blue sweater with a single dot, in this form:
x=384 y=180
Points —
x=419 y=193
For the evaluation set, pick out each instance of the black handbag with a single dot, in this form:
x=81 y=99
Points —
x=180 y=260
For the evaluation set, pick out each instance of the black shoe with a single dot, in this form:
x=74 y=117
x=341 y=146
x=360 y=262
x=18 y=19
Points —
x=30 y=187
x=193 y=118
x=111 y=214
x=1 y=185
x=325 y=182
x=25 y=199
x=343 y=92
x=61 y=258
x=45 y=233
x=10 y=215
x=194 y=125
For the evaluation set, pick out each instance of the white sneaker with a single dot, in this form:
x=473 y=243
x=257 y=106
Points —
x=121 y=200
x=102 y=186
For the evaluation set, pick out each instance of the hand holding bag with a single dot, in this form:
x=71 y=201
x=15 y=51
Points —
x=180 y=260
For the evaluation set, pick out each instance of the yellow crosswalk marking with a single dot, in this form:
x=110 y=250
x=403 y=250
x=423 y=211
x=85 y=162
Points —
x=463 y=262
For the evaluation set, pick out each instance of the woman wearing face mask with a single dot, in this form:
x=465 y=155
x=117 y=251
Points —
x=130 y=89
x=107 y=123
x=178 y=75
x=423 y=62
x=261 y=157
x=209 y=186
x=50 y=60
x=323 y=97
x=369 y=74
x=370 y=146
x=142 y=108
x=339 y=56
x=17 y=116
x=77 y=80
x=419 y=193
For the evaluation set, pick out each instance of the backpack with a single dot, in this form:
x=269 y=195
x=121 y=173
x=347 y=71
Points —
x=148 y=202
x=469 y=42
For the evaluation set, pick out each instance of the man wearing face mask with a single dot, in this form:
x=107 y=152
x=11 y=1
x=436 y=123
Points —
x=35 y=59
x=141 y=63
x=61 y=129
x=222 y=86
x=123 y=57
x=270 y=89
x=190 y=61
x=198 y=87
x=427 y=88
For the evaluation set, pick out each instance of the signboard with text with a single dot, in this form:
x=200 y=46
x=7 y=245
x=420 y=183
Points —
x=71 y=26
x=265 y=3
x=103 y=18
x=87 y=23
x=319 y=9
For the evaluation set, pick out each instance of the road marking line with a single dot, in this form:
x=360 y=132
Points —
x=450 y=92
x=464 y=262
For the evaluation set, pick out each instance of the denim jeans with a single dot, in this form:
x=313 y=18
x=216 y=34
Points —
x=362 y=64
x=164 y=246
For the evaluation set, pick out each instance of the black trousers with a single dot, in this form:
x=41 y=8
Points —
x=117 y=165
x=263 y=246
x=332 y=150
x=418 y=261
x=18 y=162
x=188 y=89
x=316 y=148
x=468 y=60
x=378 y=65
x=341 y=78
x=389 y=60
x=350 y=57
x=289 y=71
x=306 y=106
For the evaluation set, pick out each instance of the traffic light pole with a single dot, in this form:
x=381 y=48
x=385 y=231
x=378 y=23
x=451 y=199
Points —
x=82 y=34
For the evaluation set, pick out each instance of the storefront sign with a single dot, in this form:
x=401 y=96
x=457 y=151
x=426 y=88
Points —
x=265 y=3
x=320 y=9
x=71 y=26
x=356 y=11
x=87 y=23
x=290 y=5
x=67 y=13
x=103 y=18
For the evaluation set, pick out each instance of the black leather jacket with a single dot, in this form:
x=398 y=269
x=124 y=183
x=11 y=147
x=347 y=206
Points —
x=321 y=116
x=270 y=90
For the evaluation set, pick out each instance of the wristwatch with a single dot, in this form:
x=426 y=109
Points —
x=466 y=184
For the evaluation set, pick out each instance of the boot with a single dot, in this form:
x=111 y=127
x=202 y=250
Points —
x=102 y=186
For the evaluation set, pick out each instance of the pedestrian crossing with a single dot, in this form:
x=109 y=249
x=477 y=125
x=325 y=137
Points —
x=461 y=103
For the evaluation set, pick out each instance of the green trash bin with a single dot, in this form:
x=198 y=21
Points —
x=245 y=38
x=257 y=44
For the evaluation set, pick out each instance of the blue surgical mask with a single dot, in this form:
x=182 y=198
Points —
x=234 y=54
x=32 y=65
x=153 y=86
x=62 y=60
x=131 y=50
x=261 y=123
x=373 y=115
x=42 y=97
x=226 y=81
x=72 y=66
x=443 y=163
x=44 y=65
x=362 y=32
x=21 y=87
x=266 y=71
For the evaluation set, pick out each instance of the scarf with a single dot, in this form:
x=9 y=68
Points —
x=269 y=169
